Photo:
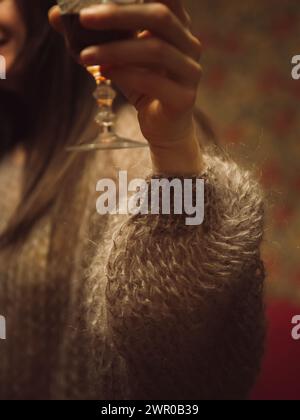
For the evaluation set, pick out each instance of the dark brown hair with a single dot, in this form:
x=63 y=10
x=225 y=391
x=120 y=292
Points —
x=57 y=93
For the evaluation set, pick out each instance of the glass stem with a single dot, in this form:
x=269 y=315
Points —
x=104 y=95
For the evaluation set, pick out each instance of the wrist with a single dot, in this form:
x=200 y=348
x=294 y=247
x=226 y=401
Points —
x=183 y=157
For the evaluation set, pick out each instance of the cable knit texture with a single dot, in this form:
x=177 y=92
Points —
x=142 y=306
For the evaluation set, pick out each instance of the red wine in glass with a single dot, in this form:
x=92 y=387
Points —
x=79 y=37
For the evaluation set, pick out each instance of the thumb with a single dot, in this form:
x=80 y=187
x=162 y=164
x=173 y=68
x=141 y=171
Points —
x=55 y=19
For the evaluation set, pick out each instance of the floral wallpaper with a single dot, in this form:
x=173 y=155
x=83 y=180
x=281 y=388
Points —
x=248 y=92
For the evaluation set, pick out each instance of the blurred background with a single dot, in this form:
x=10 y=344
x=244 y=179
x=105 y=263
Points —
x=252 y=100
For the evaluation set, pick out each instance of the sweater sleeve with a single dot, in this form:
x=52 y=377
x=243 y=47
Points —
x=185 y=303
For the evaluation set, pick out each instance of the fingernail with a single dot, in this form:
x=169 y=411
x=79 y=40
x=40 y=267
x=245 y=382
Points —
x=88 y=55
x=91 y=11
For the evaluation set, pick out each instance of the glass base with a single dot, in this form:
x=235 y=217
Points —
x=107 y=142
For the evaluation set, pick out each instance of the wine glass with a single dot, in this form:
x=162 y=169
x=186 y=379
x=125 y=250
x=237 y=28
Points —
x=80 y=38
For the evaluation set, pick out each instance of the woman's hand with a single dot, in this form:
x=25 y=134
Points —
x=158 y=72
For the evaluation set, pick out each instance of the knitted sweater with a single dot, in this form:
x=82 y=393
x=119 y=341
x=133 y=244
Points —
x=143 y=307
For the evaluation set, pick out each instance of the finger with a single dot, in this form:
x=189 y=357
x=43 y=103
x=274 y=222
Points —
x=55 y=19
x=155 y=17
x=151 y=52
x=176 y=6
x=172 y=95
